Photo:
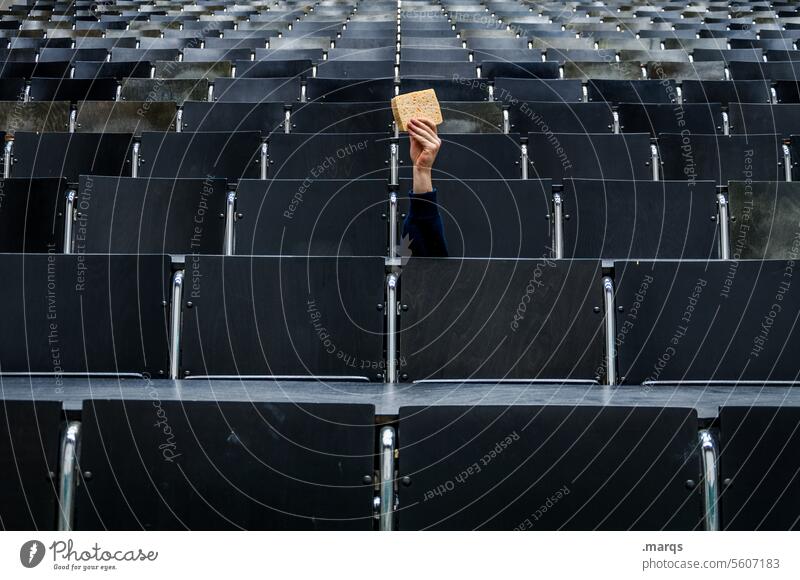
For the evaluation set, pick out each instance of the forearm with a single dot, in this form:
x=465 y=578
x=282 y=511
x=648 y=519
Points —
x=423 y=183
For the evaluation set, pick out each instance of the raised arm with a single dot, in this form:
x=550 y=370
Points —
x=423 y=223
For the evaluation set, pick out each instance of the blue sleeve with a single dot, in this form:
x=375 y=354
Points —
x=423 y=226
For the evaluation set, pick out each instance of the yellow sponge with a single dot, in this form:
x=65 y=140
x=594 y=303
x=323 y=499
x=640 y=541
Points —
x=416 y=105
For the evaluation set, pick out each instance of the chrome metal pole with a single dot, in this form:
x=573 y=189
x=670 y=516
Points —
x=230 y=208
x=70 y=459
x=8 y=158
x=393 y=226
x=724 y=227
x=611 y=331
x=708 y=448
x=558 y=226
x=391 y=329
x=175 y=325
x=69 y=216
x=387 y=479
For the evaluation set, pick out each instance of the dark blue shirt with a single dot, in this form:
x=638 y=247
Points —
x=423 y=226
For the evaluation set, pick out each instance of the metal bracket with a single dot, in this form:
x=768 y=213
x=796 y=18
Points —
x=175 y=325
x=558 y=226
x=135 y=159
x=391 y=328
x=70 y=464
x=230 y=215
x=726 y=123
x=394 y=162
x=287 y=121
x=724 y=227
x=655 y=161
x=611 y=331
x=387 y=497
x=524 y=160
x=708 y=450
x=787 y=162
x=393 y=226
x=73 y=116
x=69 y=219
x=264 y=160
x=615 y=126
x=506 y=122
x=8 y=158
x=179 y=120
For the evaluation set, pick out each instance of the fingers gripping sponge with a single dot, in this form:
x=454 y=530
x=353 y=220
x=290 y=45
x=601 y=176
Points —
x=416 y=105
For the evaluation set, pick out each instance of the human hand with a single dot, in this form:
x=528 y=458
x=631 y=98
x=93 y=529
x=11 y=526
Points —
x=425 y=143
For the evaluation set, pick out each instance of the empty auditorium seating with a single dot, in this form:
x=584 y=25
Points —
x=204 y=214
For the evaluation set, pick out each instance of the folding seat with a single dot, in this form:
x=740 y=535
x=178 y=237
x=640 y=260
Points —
x=554 y=336
x=345 y=155
x=17 y=55
x=356 y=69
x=300 y=43
x=527 y=117
x=34 y=117
x=497 y=44
x=227 y=117
x=305 y=485
x=644 y=91
x=725 y=92
x=19 y=70
x=698 y=320
x=721 y=158
x=655 y=118
x=73 y=89
x=125 y=116
x=22 y=43
x=249 y=90
x=581 y=55
x=437 y=70
x=639 y=219
x=349 y=90
x=766 y=44
x=71 y=154
x=177 y=90
x=32 y=215
x=672 y=43
x=782 y=55
x=729 y=55
x=763 y=221
x=541 y=452
x=171 y=69
x=675 y=55
x=503 y=69
x=747 y=118
x=510 y=55
x=230 y=155
x=561 y=42
x=650 y=44
x=324 y=217
x=594 y=156
x=389 y=31
x=170 y=43
x=431 y=42
x=230 y=43
x=284 y=305
x=72 y=54
x=30 y=440
x=704 y=71
x=490 y=218
x=273 y=68
x=113 y=70
x=602 y=70
x=471 y=117
x=216 y=54
x=108 y=312
x=472 y=156
x=776 y=71
x=459 y=89
x=341 y=118
x=759 y=446
x=314 y=55
x=787 y=91
x=442 y=55
x=368 y=43
x=150 y=216
x=152 y=55
x=508 y=90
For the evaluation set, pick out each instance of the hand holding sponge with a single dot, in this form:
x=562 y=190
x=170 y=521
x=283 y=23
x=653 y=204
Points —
x=416 y=105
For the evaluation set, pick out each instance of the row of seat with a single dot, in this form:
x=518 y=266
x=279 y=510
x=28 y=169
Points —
x=268 y=465
x=544 y=154
x=482 y=218
x=326 y=317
